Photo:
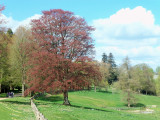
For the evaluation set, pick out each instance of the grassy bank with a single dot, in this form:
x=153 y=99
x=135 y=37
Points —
x=17 y=108
x=97 y=106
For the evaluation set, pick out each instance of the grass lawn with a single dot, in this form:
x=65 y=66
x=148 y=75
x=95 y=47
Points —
x=2 y=95
x=88 y=105
x=17 y=108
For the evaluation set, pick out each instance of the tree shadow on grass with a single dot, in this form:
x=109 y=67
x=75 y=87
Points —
x=102 y=91
x=89 y=108
x=81 y=90
x=47 y=103
x=138 y=105
x=51 y=98
x=16 y=102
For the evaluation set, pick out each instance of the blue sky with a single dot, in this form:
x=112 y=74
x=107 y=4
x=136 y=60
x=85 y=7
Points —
x=123 y=27
x=89 y=9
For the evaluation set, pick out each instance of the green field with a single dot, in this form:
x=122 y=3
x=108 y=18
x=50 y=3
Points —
x=17 y=108
x=88 y=105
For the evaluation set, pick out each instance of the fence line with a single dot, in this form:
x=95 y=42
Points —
x=39 y=115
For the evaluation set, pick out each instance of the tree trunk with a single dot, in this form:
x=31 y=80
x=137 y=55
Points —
x=10 y=87
x=22 y=89
x=88 y=87
x=139 y=91
x=0 y=88
x=23 y=70
x=23 y=83
x=66 y=101
x=146 y=92
x=94 y=88
x=129 y=98
x=129 y=105
x=1 y=83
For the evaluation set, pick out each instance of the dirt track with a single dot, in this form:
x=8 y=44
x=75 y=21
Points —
x=2 y=98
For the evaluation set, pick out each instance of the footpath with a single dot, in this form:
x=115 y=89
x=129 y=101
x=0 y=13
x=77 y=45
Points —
x=3 y=98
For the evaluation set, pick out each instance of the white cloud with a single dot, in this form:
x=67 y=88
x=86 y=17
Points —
x=129 y=16
x=127 y=24
x=143 y=54
x=14 y=24
x=27 y=21
x=129 y=32
x=10 y=22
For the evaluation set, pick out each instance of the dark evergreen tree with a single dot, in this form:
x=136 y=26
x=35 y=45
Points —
x=104 y=58
x=113 y=75
x=111 y=61
x=10 y=32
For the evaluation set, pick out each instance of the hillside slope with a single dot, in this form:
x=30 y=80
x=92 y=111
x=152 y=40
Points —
x=88 y=105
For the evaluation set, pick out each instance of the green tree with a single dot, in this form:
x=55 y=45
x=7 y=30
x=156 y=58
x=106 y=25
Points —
x=104 y=69
x=4 y=66
x=143 y=79
x=19 y=56
x=96 y=78
x=3 y=52
x=158 y=85
x=158 y=70
x=125 y=82
x=137 y=75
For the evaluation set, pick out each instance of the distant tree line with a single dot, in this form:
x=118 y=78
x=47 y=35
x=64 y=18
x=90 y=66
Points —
x=129 y=79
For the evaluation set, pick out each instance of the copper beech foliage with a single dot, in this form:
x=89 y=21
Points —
x=1 y=7
x=1 y=20
x=61 y=59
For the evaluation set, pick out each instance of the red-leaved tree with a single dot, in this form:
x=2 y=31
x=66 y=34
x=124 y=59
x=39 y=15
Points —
x=60 y=60
x=1 y=20
x=1 y=8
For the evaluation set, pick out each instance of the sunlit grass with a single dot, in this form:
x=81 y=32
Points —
x=88 y=105
x=16 y=109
